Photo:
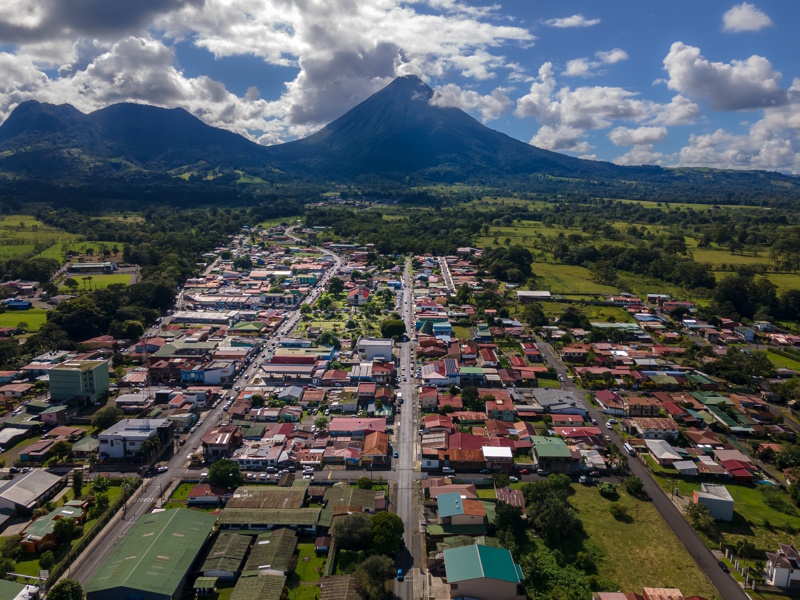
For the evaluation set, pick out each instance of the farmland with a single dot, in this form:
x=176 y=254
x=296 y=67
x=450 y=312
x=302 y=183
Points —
x=25 y=235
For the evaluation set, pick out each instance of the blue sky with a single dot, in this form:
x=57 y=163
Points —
x=695 y=83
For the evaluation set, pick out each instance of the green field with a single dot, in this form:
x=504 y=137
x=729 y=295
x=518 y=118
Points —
x=60 y=251
x=309 y=564
x=639 y=551
x=34 y=317
x=20 y=234
x=718 y=256
x=97 y=282
x=783 y=362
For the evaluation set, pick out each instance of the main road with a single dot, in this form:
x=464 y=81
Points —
x=407 y=507
x=726 y=585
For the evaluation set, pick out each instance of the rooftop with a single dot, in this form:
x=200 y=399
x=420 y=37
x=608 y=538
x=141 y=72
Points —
x=480 y=562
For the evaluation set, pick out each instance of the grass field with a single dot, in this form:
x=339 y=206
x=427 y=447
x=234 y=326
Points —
x=34 y=317
x=182 y=492
x=486 y=493
x=718 y=256
x=682 y=205
x=60 y=251
x=309 y=564
x=19 y=234
x=593 y=313
x=568 y=279
x=640 y=551
x=783 y=362
x=98 y=282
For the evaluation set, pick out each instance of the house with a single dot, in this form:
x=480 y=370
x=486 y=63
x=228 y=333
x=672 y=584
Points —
x=783 y=567
x=352 y=427
x=662 y=452
x=552 y=454
x=41 y=531
x=358 y=297
x=507 y=495
x=455 y=510
x=501 y=407
x=126 y=439
x=718 y=500
x=498 y=457
x=375 y=450
x=204 y=494
x=438 y=423
x=483 y=573
x=220 y=441
x=663 y=428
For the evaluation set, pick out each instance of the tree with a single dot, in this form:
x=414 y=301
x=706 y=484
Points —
x=151 y=445
x=257 y=400
x=61 y=450
x=6 y=566
x=328 y=338
x=392 y=328
x=225 y=473
x=100 y=485
x=22 y=327
x=335 y=285
x=66 y=589
x=353 y=532
x=106 y=417
x=699 y=516
x=364 y=483
x=47 y=560
x=77 y=483
x=11 y=548
x=71 y=284
x=371 y=577
x=64 y=529
x=469 y=397
x=634 y=486
x=556 y=521
x=387 y=529
x=608 y=490
x=533 y=315
x=321 y=423
x=325 y=302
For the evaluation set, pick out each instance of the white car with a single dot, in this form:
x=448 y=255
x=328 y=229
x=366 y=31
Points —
x=162 y=469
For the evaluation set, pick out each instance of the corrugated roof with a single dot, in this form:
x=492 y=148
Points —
x=479 y=562
x=266 y=587
x=156 y=553
x=26 y=489
x=272 y=551
x=227 y=553
x=258 y=516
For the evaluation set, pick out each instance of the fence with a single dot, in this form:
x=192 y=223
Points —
x=59 y=569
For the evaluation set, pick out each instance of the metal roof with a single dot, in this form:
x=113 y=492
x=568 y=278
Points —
x=480 y=562
x=26 y=489
x=266 y=587
x=156 y=553
x=259 y=516
x=272 y=551
x=227 y=553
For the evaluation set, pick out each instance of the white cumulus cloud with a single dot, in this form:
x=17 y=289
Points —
x=490 y=106
x=584 y=67
x=624 y=136
x=737 y=85
x=573 y=21
x=745 y=17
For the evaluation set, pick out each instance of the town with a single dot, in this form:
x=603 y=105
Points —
x=310 y=417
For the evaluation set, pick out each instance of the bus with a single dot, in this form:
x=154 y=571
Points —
x=629 y=449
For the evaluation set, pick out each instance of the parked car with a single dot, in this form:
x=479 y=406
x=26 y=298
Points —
x=162 y=469
x=609 y=425
x=396 y=454
x=724 y=567
x=513 y=479
x=399 y=574
x=13 y=470
x=523 y=471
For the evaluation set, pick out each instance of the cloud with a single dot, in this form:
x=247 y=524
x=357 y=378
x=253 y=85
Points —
x=641 y=155
x=573 y=21
x=567 y=114
x=738 y=85
x=25 y=22
x=583 y=67
x=490 y=107
x=745 y=17
x=623 y=136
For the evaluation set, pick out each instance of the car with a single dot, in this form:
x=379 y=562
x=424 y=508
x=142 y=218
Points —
x=251 y=476
x=13 y=470
x=613 y=421
x=542 y=473
x=189 y=456
x=608 y=438
x=724 y=567
x=162 y=469
x=308 y=476
x=523 y=471
x=582 y=479
x=200 y=422
x=313 y=429
x=399 y=574
x=485 y=471
x=193 y=429
x=262 y=476
x=513 y=479
x=609 y=426
x=561 y=378
x=203 y=475
x=594 y=421
x=182 y=442
x=237 y=388
x=396 y=454
x=448 y=470
x=26 y=469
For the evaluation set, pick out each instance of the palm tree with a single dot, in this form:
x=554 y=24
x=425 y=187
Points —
x=151 y=445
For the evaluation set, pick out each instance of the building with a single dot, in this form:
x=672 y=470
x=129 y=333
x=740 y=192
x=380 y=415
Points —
x=455 y=510
x=226 y=557
x=533 y=296
x=552 y=454
x=85 y=380
x=783 y=567
x=28 y=491
x=153 y=559
x=718 y=500
x=483 y=573
x=221 y=441
x=125 y=439
x=370 y=349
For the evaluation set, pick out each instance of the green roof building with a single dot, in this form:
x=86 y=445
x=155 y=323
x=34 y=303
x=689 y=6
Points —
x=10 y=590
x=265 y=587
x=81 y=380
x=152 y=560
x=553 y=454
x=226 y=556
x=271 y=554
x=483 y=573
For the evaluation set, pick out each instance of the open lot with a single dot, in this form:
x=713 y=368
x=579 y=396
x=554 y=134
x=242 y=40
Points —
x=100 y=281
x=642 y=539
x=34 y=317
x=21 y=234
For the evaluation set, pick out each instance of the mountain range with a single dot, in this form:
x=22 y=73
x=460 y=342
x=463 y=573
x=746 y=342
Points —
x=394 y=136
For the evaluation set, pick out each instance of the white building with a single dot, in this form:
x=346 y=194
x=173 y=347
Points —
x=125 y=439
x=783 y=567
x=370 y=349
x=718 y=500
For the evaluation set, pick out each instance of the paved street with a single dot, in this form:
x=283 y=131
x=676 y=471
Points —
x=405 y=444
x=727 y=586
